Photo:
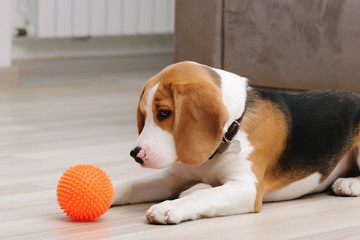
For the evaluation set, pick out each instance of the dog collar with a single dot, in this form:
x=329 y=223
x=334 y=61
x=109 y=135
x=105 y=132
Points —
x=226 y=141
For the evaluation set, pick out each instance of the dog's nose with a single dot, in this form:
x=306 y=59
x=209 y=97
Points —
x=134 y=153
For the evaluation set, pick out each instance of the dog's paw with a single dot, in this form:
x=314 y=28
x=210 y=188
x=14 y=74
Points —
x=347 y=187
x=167 y=212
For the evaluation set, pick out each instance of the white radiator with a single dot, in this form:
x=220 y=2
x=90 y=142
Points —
x=84 y=18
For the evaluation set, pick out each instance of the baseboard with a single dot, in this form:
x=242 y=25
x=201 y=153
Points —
x=30 y=48
x=62 y=67
x=9 y=76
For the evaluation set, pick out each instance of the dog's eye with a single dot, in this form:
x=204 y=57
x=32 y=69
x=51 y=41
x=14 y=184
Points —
x=163 y=114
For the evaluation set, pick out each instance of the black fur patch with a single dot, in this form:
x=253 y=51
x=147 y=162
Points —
x=322 y=127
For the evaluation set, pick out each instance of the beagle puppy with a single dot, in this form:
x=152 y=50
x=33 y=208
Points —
x=204 y=125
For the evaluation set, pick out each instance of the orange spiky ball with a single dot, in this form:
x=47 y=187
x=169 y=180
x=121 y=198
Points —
x=84 y=192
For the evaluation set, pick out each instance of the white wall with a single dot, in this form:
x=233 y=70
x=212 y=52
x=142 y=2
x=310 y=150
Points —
x=32 y=48
x=5 y=32
x=18 y=9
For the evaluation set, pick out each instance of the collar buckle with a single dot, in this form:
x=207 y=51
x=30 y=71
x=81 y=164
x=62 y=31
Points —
x=227 y=138
x=229 y=135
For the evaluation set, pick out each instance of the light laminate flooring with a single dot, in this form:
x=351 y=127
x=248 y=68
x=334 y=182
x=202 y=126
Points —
x=48 y=126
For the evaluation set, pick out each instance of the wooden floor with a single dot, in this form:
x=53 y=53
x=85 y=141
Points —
x=46 y=127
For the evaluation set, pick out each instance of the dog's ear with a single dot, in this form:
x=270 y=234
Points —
x=200 y=116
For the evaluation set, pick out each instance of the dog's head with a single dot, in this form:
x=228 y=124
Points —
x=180 y=116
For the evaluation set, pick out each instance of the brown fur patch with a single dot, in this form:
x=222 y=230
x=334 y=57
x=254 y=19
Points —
x=357 y=135
x=141 y=115
x=213 y=75
x=163 y=100
x=267 y=129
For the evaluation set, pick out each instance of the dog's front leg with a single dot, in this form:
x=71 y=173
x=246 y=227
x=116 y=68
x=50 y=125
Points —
x=160 y=186
x=228 y=199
